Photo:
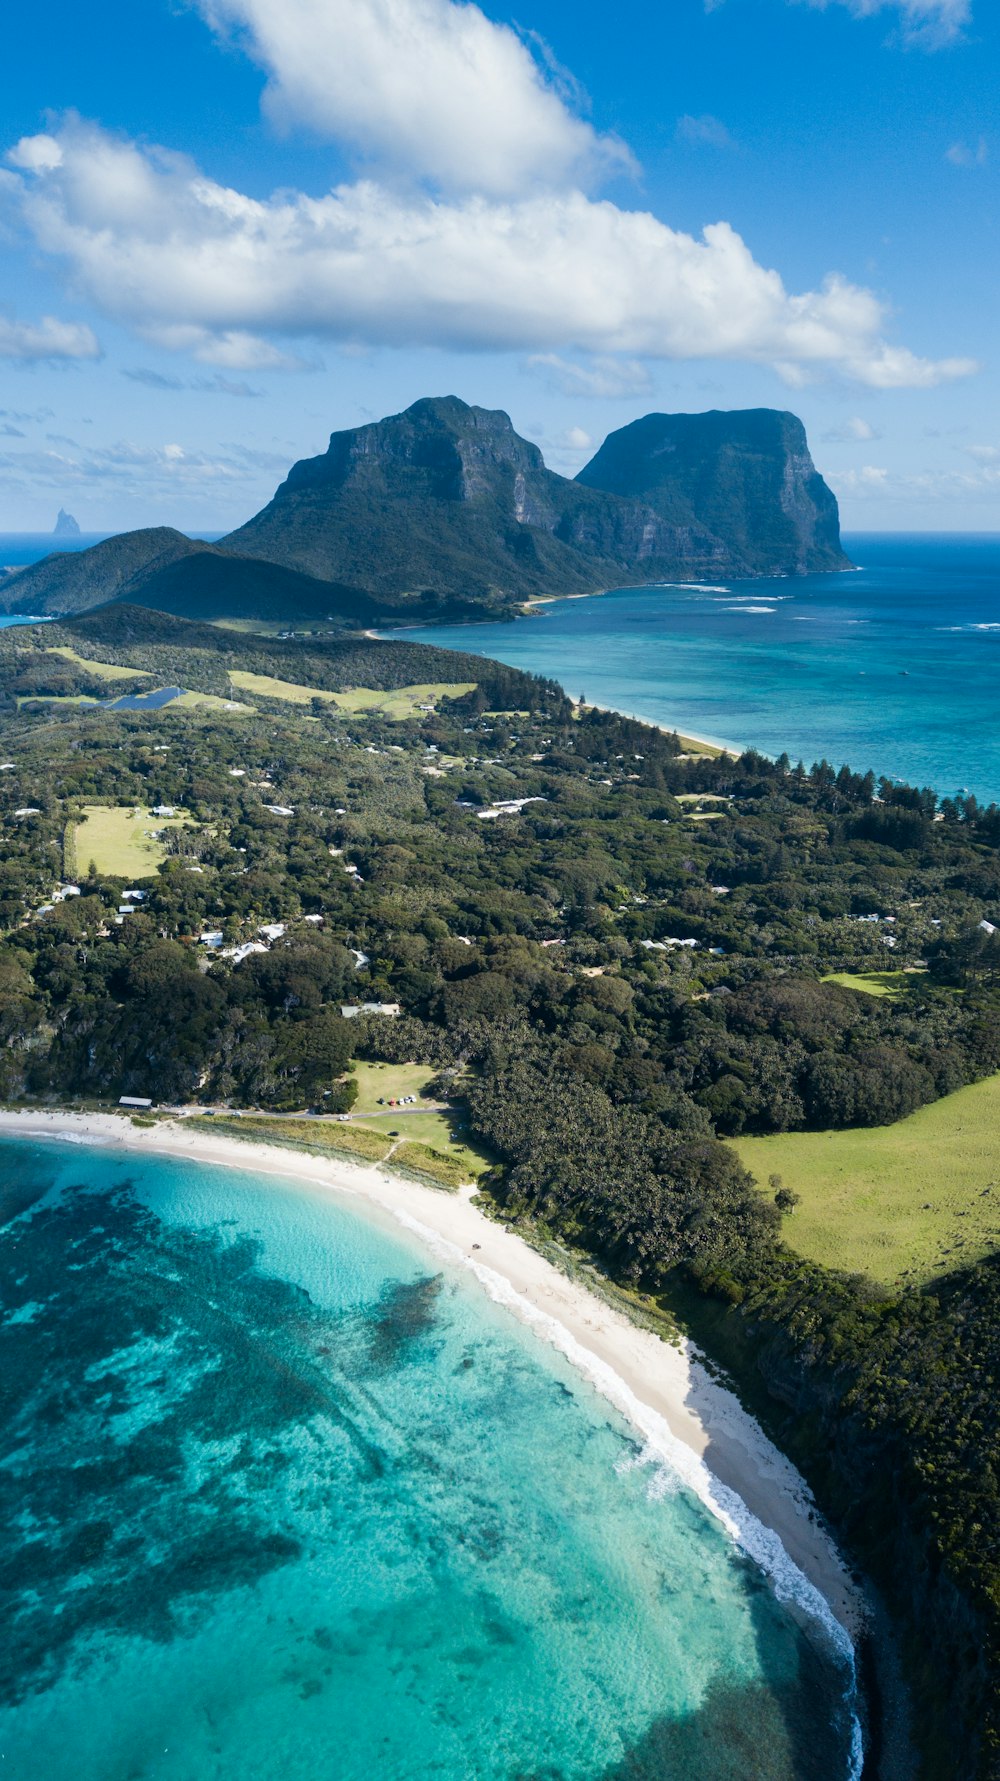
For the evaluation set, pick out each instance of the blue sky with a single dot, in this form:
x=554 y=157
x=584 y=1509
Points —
x=231 y=226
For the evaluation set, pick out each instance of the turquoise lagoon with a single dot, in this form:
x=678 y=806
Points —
x=894 y=666
x=286 y=1497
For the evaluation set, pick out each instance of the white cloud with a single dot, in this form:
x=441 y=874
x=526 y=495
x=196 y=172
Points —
x=49 y=338
x=578 y=440
x=36 y=154
x=850 y=430
x=918 y=486
x=437 y=89
x=961 y=155
x=930 y=23
x=204 y=269
x=704 y=132
x=982 y=454
x=600 y=376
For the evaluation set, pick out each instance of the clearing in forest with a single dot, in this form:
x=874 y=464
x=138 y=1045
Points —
x=401 y=702
x=388 y=1081
x=103 y=670
x=876 y=983
x=903 y=1203
x=122 y=841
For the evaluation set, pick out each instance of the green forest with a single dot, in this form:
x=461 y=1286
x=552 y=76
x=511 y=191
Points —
x=615 y=954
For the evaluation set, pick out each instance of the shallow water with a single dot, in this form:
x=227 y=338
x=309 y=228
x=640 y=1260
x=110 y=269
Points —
x=894 y=667
x=283 y=1499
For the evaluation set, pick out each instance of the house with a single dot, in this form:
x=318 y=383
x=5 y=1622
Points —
x=280 y=809
x=134 y=1101
x=212 y=939
x=239 y=953
x=273 y=929
x=350 y=1010
x=164 y=810
x=987 y=927
x=135 y=896
x=315 y=920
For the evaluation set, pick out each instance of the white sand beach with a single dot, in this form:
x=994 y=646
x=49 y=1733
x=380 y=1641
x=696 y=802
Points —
x=688 y=1421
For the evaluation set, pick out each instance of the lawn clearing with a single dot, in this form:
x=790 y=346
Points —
x=267 y=687
x=27 y=699
x=103 y=670
x=122 y=841
x=391 y=1081
x=440 y=1132
x=189 y=701
x=906 y=1202
x=875 y=983
x=402 y=702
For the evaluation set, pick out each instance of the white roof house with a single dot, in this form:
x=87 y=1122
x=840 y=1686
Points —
x=350 y=1009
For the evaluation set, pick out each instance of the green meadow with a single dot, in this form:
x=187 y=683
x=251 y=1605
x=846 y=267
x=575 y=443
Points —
x=121 y=841
x=401 y=703
x=903 y=1203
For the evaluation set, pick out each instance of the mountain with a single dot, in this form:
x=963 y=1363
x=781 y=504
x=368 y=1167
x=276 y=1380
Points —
x=445 y=512
x=449 y=498
x=66 y=526
x=747 y=476
x=162 y=568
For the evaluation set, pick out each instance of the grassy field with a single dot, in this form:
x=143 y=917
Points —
x=103 y=670
x=387 y=1080
x=875 y=983
x=56 y=699
x=189 y=701
x=438 y=1131
x=906 y=1202
x=401 y=703
x=267 y=687
x=119 y=841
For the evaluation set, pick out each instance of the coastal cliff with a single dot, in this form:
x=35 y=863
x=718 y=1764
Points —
x=746 y=476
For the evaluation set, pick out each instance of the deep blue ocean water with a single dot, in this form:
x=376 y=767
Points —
x=894 y=667
x=285 y=1500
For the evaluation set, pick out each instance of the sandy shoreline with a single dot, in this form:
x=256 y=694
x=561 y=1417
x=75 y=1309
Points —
x=686 y=1418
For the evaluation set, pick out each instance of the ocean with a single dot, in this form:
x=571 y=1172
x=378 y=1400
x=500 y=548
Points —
x=286 y=1498
x=895 y=666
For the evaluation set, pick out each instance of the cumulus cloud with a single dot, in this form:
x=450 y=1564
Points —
x=930 y=23
x=31 y=342
x=850 y=430
x=960 y=154
x=704 y=132
x=204 y=269
x=919 y=486
x=438 y=89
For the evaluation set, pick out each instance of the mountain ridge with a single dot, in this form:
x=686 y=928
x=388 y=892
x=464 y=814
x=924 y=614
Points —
x=445 y=512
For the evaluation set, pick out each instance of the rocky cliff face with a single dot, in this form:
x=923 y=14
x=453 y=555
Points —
x=746 y=476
